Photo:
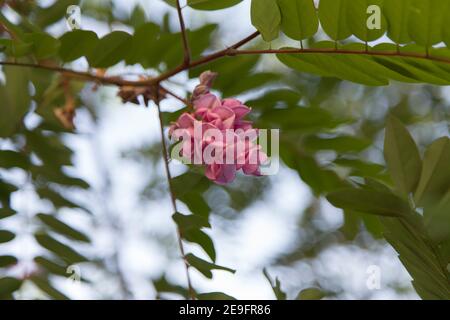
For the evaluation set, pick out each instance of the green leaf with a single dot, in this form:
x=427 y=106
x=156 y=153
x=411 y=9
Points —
x=358 y=19
x=351 y=226
x=50 y=174
x=319 y=179
x=144 y=46
x=311 y=294
x=163 y=285
x=6 y=236
x=352 y=67
x=374 y=70
x=12 y=159
x=402 y=156
x=212 y=4
x=369 y=201
x=299 y=19
x=8 y=285
x=17 y=48
x=5 y=192
x=429 y=276
x=76 y=44
x=62 y=228
x=148 y=42
x=51 y=266
x=353 y=221
x=300 y=119
x=44 y=45
x=421 y=69
x=57 y=199
x=373 y=225
x=276 y=286
x=53 y=13
x=202 y=239
x=171 y=45
x=214 y=296
x=333 y=18
x=186 y=182
x=49 y=149
x=14 y=100
x=138 y=17
x=397 y=14
x=426 y=21
x=408 y=68
x=60 y=249
x=196 y=202
x=304 y=63
x=111 y=49
x=191 y=221
x=6 y=213
x=200 y=39
x=435 y=179
x=205 y=267
x=266 y=17
x=7 y=261
x=360 y=168
x=446 y=29
x=437 y=220
x=281 y=98
x=47 y=288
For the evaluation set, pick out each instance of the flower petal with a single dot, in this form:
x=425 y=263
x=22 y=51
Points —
x=207 y=101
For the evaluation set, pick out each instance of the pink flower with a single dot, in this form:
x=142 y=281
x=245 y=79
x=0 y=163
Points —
x=238 y=108
x=221 y=173
x=254 y=157
x=216 y=135
x=205 y=103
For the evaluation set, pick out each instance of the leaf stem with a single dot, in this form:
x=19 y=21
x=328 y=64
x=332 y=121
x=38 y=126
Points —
x=174 y=95
x=173 y=199
x=345 y=52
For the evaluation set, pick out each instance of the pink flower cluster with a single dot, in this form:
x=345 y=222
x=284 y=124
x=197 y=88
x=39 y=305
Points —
x=224 y=135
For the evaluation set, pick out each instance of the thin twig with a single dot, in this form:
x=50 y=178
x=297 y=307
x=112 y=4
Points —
x=76 y=75
x=173 y=200
x=174 y=95
x=201 y=61
x=187 y=51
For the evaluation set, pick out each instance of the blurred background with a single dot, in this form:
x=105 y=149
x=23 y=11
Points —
x=281 y=224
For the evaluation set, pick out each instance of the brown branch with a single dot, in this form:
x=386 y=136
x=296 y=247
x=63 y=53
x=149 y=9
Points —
x=173 y=199
x=187 y=51
x=201 y=61
x=239 y=44
x=230 y=51
x=344 y=52
x=76 y=75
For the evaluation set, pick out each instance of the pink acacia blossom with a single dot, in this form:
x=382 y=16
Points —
x=218 y=128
